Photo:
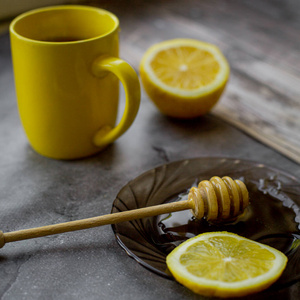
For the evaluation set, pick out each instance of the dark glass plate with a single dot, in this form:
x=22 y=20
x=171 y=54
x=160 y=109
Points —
x=273 y=216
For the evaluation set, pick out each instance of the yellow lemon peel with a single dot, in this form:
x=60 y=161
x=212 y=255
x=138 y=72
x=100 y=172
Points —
x=225 y=265
x=183 y=77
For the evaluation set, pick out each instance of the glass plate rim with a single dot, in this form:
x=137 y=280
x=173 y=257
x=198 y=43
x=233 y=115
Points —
x=251 y=162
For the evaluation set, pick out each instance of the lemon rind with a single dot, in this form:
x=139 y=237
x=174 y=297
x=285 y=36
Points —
x=218 y=287
x=220 y=79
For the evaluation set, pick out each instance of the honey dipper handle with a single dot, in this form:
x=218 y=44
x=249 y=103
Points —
x=94 y=222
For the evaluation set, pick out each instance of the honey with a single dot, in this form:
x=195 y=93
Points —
x=271 y=218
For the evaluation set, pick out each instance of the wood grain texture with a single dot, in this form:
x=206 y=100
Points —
x=36 y=191
x=261 y=42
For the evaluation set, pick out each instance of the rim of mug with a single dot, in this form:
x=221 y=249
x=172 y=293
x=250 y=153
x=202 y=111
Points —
x=63 y=7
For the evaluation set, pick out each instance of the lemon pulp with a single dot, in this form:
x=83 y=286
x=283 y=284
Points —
x=225 y=265
x=185 y=67
x=184 y=78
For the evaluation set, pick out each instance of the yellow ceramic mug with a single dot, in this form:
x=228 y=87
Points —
x=67 y=74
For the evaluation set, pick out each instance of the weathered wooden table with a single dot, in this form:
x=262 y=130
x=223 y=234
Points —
x=257 y=119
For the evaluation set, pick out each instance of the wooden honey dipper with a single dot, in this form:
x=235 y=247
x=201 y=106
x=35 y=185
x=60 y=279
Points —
x=216 y=200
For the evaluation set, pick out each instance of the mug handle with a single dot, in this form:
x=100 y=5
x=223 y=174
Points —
x=130 y=81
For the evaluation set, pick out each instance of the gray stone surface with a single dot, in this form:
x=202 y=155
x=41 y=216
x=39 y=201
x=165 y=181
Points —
x=36 y=191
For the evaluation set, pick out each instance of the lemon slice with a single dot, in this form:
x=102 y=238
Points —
x=225 y=265
x=183 y=77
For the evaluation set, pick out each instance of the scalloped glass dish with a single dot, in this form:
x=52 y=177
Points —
x=273 y=216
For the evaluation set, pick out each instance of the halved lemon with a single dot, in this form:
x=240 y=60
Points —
x=184 y=77
x=225 y=265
